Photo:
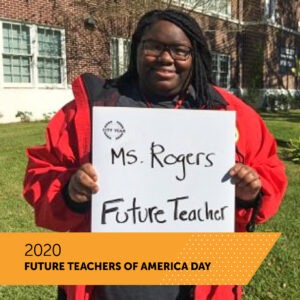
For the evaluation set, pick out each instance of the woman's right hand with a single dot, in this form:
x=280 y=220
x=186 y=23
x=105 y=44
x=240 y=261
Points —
x=83 y=184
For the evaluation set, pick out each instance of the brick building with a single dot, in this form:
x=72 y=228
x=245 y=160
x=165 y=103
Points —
x=45 y=44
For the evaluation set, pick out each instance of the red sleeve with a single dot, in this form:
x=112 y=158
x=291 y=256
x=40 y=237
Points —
x=49 y=169
x=260 y=152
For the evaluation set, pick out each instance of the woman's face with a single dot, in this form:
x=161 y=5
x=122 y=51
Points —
x=164 y=60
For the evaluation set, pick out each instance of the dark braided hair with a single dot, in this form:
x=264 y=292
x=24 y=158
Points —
x=201 y=76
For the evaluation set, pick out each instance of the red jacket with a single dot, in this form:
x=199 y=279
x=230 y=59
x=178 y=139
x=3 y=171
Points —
x=68 y=142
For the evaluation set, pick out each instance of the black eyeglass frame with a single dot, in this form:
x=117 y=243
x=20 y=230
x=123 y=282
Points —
x=168 y=48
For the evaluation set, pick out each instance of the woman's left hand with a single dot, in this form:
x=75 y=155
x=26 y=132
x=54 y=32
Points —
x=246 y=180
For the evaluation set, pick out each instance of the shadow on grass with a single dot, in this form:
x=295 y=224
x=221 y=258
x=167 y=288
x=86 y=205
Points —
x=289 y=116
x=282 y=143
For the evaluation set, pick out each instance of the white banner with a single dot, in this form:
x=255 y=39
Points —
x=163 y=170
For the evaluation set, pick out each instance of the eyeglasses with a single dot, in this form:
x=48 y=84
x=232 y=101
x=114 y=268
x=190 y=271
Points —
x=155 y=49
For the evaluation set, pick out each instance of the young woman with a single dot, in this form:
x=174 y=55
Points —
x=170 y=67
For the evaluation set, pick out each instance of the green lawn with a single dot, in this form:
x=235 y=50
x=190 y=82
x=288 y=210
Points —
x=278 y=276
x=15 y=213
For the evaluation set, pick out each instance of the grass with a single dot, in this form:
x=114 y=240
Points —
x=278 y=276
x=15 y=214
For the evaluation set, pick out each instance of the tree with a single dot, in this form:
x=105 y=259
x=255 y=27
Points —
x=90 y=25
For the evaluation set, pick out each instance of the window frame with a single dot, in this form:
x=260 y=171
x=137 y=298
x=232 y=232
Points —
x=270 y=10
x=120 y=56
x=3 y=53
x=286 y=59
x=218 y=56
x=200 y=8
x=34 y=55
x=62 y=63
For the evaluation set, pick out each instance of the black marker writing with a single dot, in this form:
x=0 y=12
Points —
x=161 y=159
x=136 y=214
x=128 y=157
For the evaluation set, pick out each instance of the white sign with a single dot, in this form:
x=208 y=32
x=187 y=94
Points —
x=163 y=170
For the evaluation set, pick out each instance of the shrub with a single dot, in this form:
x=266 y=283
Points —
x=277 y=102
x=293 y=150
x=295 y=101
x=25 y=116
x=48 y=116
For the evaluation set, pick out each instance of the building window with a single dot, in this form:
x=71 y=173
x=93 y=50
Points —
x=218 y=6
x=221 y=69
x=49 y=56
x=286 y=60
x=32 y=55
x=120 y=53
x=270 y=9
x=16 y=53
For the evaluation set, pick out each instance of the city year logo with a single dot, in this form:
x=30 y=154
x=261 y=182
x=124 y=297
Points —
x=114 y=130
